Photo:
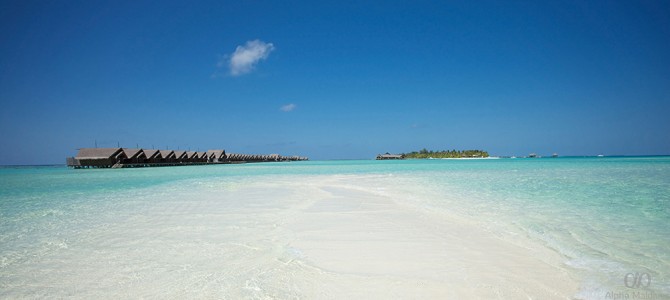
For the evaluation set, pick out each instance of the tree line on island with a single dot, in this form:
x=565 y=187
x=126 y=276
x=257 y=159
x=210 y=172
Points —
x=424 y=153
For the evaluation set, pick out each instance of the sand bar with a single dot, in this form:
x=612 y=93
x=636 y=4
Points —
x=307 y=237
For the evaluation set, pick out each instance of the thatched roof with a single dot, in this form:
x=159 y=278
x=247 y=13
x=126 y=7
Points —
x=98 y=153
x=217 y=153
x=115 y=157
x=179 y=154
x=152 y=153
x=132 y=153
x=167 y=153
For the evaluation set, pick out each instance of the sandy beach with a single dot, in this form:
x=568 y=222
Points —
x=371 y=244
x=313 y=237
x=335 y=237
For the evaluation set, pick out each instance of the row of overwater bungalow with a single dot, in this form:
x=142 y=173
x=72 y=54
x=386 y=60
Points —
x=133 y=158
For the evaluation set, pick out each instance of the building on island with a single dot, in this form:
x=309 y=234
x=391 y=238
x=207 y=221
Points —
x=388 y=156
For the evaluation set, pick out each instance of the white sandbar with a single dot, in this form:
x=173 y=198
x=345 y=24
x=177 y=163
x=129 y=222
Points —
x=323 y=237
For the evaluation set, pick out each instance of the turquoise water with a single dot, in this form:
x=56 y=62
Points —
x=608 y=217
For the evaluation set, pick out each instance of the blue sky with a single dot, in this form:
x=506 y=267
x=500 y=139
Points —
x=334 y=79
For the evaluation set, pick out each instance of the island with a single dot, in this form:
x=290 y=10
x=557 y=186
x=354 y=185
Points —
x=424 y=153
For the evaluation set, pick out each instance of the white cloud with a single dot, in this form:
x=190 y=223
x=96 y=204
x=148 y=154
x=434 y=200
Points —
x=288 y=107
x=246 y=56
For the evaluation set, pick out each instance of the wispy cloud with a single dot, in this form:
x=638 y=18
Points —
x=288 y=107
x=246 y=56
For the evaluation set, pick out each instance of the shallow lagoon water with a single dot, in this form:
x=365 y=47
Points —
x=261 y=230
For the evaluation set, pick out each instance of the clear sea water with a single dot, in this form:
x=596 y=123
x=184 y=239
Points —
x=608 y=217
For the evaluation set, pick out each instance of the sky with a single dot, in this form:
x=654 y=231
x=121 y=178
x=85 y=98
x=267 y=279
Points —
x=334 y=79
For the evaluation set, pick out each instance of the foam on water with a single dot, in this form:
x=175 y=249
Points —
x=609 y=218
x=216 y=231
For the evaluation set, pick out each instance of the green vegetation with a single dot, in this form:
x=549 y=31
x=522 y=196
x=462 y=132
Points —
x=446 y=154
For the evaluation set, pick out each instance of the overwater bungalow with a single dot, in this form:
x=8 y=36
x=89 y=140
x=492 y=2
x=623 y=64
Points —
x=216 y=155
x=100 y=157
x=195 y=156
x=202 y=156
x=236 y=157
x=152 y=156
x=181 y=156
x=168 y=156
x=134 y=156
x=191 y=156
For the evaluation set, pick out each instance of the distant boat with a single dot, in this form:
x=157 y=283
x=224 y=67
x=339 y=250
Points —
x=554 y=155
x=600 y=155
x=532 y=155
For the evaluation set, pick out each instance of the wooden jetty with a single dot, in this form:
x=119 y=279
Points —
x=137 y=158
